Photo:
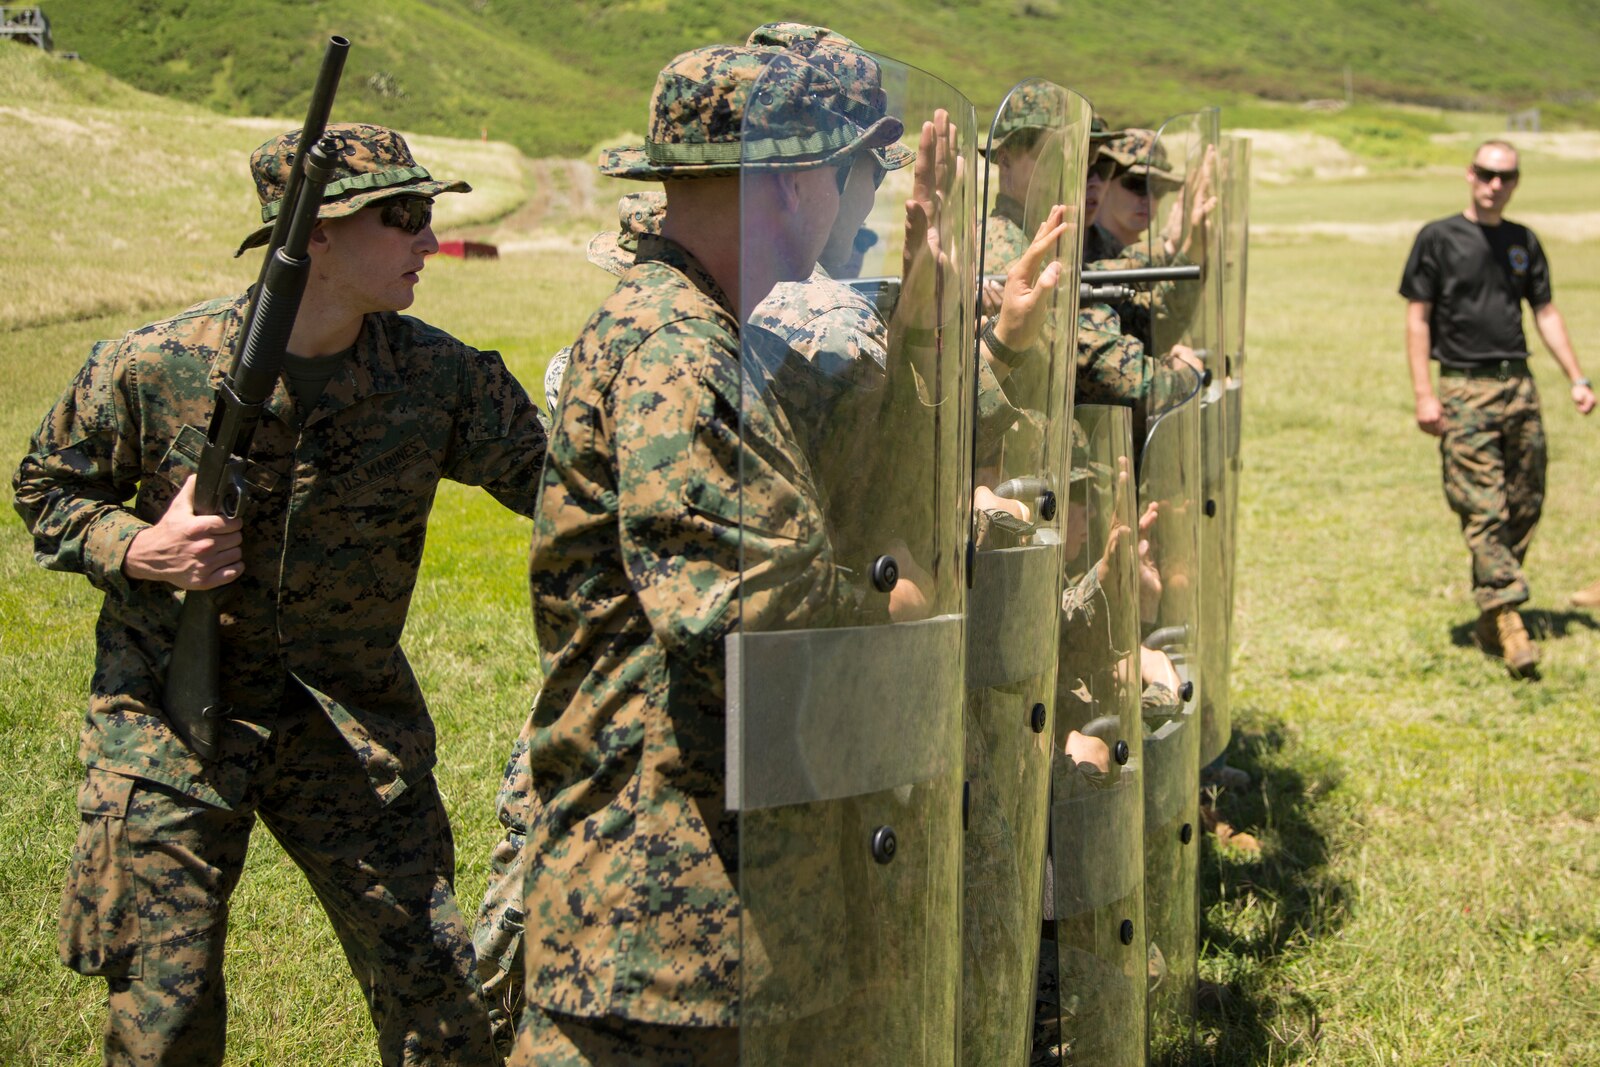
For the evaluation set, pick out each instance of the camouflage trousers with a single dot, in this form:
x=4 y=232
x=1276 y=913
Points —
x=551 y=1039
x=146 y=902
x=1493 y=454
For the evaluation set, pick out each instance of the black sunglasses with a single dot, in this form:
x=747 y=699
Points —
x=1485 y=175
x=1103 y=168
x=409 y=213
x=1137 y=184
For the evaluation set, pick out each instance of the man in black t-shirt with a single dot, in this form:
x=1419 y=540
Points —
x=1464 y=283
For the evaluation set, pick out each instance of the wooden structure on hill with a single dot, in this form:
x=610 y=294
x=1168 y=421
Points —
x=28 y=25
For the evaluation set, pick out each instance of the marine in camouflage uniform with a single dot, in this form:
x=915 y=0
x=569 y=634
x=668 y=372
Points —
x=497 y=933
x=1136 y=153
x=645 y=544
x=328 y=741
x=824 y=322
x=1112 y=367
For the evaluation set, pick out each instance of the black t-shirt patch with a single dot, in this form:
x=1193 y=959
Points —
x=1476 y=277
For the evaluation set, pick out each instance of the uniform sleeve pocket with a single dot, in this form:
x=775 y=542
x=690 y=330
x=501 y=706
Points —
x=99 y=925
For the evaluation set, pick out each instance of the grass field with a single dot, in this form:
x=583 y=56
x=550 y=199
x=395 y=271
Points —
x=556 y=78
x=1429 y=886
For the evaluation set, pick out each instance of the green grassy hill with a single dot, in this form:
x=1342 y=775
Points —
x=557 y=78
x=124 y=200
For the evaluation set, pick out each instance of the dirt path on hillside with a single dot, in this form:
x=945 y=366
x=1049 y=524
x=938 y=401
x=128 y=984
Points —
x=566 y=204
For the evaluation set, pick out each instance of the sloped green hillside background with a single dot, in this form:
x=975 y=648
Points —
x=556 y=78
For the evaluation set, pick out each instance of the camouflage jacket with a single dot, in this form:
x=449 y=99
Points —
x=1169 y=305
x=646 y=554
x=864 y=416
x=332 y=538
x=1112 y=366
x=1004 y=240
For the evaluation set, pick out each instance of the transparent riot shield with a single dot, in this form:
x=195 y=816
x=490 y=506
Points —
x=1035 y=157
x=1170 y=513
x=1235 y=194
x=1175 y=509
x=1097 y=780
x=844 y=678
x=1186 y=223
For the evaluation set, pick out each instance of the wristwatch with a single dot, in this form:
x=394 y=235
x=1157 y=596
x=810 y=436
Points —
x=1584 y=382
x=1000 y=351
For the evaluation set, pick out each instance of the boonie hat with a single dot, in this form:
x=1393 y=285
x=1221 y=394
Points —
x=638 y=214
x=698 y=118
x=1034 y=105
x=858 y=74
x=1139 y=151
x=371 y=163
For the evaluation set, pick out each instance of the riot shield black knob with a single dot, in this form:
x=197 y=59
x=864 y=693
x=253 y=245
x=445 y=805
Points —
x=1185 y=835
x=883 y=844
x=1047 y=506
x=1205 y=379
x=1037 y=718
x=1211 y=509
x=1125 y=932
x=1186 y=691
x=1119 y=752
x=885 y=573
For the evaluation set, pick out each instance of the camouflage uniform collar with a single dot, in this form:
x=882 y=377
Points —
x=653 y=248
x=1008 y=207
x=1098 y=245
x=369 y=370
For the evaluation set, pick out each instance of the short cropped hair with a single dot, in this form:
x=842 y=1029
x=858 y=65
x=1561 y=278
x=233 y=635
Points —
x=1495 y=142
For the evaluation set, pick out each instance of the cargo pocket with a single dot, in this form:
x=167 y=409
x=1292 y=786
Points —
x=99 y=926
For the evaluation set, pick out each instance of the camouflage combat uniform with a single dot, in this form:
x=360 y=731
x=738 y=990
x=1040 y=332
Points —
x=329 y=741
x=1004 y=239
x=632 y=847
x=497 y=933
x=1171 y=304
x=676 y=505
x=1112 y=365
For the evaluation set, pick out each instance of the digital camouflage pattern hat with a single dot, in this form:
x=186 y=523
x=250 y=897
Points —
x=1033 y=105
x=371 y=164
x=858 y=73
x=698 y=126
x=637 y=214
x=1138 y=150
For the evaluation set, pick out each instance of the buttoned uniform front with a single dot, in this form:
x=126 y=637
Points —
x=333 y=537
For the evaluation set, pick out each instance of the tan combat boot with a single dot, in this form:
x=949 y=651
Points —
x=1587 y=597
x=1500 y=629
